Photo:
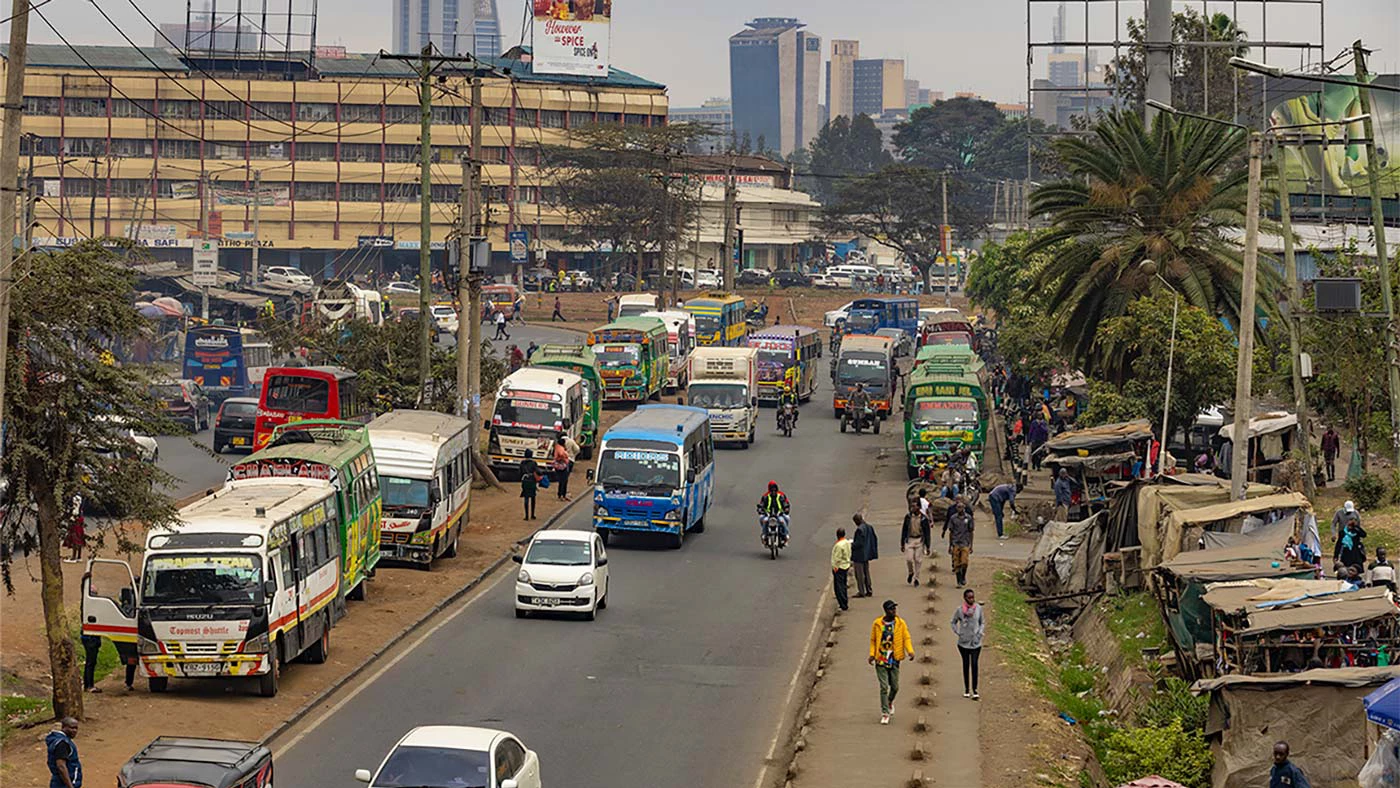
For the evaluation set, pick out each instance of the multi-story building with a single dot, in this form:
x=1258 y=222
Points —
x=840 y=75
x=717 y=113
x=455 y=27
x=774 y=76
x=144 y=144
x=878 y=86
x=911 y=93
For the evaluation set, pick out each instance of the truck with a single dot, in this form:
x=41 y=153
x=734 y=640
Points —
x=724 y=381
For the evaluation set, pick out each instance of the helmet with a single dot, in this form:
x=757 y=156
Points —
x=772 y=486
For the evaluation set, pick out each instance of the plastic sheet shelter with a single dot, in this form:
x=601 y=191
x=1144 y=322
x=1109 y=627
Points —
x=1067 y=559
x=1383 y=705
x=1139 y=512
x=1316 y=711
x=1271 y=438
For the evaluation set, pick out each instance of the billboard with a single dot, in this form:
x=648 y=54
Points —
x=1340 y=167
x=572 y=37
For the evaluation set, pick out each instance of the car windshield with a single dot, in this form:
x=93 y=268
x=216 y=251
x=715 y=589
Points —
x=240 y=409
x=224 y=579
x=401 y=493
x=617 y=355
x=862 y=368
x=435 y=767
x=529 y=411
x=298 y=394
x=717 y=396
x=170 y=392
x=639 y=468
x=560 y=552
x=944 y=413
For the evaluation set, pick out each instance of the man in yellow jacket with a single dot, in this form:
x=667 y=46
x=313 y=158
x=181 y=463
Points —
x=889 y=645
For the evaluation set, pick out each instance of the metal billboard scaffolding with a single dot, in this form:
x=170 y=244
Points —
x=267 y=36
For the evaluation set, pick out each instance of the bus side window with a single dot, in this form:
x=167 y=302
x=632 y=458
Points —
x=332 y=542
x=284 y=567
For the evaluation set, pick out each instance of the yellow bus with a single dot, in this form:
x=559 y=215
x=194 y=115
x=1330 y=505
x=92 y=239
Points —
x=719 y=319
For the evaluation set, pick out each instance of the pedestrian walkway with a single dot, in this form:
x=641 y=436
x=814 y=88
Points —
x=844 y=743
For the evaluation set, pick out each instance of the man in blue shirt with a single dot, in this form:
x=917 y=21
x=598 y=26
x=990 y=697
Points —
x=64 y=769
x=1064 y=495
x=1000 y=496
x=1284 y=773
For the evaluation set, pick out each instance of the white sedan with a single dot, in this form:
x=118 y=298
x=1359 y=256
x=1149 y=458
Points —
x=409 y=288
x=287 y=275
x=562 y=572
x=835 y=315
x=445 y=756
x=446 y=317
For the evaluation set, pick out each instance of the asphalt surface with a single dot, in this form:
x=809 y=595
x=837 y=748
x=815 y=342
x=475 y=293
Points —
x=680 y=682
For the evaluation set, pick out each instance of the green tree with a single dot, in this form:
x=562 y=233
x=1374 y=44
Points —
x=845 y=148
x=1132 y=381
x=68 y=398
x=1174 y=194
x=1202 y=79
x=1003 y=279
x=898 y=206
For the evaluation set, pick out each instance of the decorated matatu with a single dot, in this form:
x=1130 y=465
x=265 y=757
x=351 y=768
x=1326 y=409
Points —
x=578 y=359
x=945 y=409
x=961 y=356
x=787 y=358
x=720 y=319
x=632 y=358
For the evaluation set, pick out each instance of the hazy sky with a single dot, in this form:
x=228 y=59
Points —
x=950 y=45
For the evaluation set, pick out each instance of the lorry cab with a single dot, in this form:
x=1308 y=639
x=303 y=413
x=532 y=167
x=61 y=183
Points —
x=533 y=405
x=724 y=381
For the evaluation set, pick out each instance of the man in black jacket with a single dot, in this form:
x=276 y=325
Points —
x=864 y=549
x=959 y=529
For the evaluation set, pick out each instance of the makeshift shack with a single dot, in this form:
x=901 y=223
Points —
x=1095 y=457
x=1318 y=712
x=1270 y=442
x=1066 y=564
x=1273 y=632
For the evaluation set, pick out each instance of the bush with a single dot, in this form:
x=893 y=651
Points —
x=1174 y=704
x=1368 y=490
x=1170 y=751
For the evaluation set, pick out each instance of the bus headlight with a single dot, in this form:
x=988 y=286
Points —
x=601 y=511
x=146 y=646
x=673 y=515
x=586 y=580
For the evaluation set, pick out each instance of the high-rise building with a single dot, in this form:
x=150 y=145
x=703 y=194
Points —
x=455 y=27
x=840 y=75
x=878 y=86
x=717 y=113
x=774 y=76
x=911 y=92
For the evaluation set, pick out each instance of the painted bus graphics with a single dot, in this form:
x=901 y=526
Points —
x=947 y=328
x=866 y=360
x=787 y=356
x=226 y=361
x=632 y=358
x=292 y=394
x=425 y=474
x=720 y=319
x=868 y=315
x=336 y=455
x=578 y=359
x=945 y=409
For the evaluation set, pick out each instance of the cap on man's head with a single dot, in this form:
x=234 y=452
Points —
x=890 y=605
x=1349 y=506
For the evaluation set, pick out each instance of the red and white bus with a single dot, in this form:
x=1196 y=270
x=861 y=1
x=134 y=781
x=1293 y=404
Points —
x=301 y=393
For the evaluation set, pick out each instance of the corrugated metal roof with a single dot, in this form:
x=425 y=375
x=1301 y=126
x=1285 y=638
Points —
x=107 y=58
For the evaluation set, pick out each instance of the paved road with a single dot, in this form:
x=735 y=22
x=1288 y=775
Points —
x=680 y=682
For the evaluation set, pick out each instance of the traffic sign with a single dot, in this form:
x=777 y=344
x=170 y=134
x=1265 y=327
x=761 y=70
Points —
x=206 y=263
x=520 y=247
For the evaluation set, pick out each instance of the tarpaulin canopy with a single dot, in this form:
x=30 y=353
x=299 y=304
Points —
x=1067 y=558
x=1238 y=595
x=1336 y=610
x=1263 y=425
x=1338 y=677
x=1160 y=539
x=1232 y=509
x=1242 y=562
x=1100 y=437
x=1383 y=705
x=1277 y=531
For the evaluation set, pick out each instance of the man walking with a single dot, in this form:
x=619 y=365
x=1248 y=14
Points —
x=501 y=326
x=915 y=542
x=1331 y=447
x=1064 y=495
x=959 y=529
x=1284 y=773
x=889 y=644
x=65 y=771
x=1000 y=496
x=558 y=312
x=1036 y=435
x=864 y=549
x=841 y=567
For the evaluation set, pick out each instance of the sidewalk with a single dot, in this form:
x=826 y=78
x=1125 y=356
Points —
x=933 y=736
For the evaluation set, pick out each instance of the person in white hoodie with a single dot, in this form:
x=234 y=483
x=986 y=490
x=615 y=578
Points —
x=969 y=624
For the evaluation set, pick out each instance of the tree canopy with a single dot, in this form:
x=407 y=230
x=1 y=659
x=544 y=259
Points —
x=842 y=149
x=899 y=206
x=1202 y=79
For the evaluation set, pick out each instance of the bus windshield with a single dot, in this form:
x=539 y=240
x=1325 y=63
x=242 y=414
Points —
x=529 y=411
x=617 y=355
x=863 y=322
x=224 y=579
x=706 y=325
x=298 y=394
x=945 y=413
x=779 y=357
x=717 y=396
x=634 y=468
x=401 y=493
x=863 y=368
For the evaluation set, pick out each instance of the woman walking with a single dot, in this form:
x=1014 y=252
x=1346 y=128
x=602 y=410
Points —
x=561 y=466
x=529 y=479
x=969 y=624
x=914 y=541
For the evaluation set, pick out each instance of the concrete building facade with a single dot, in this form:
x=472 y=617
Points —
x=840 y=77
x=878 y=86
x=774 y=78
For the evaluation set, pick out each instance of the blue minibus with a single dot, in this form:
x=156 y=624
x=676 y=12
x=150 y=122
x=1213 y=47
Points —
x=656 y=473
x=868 y=315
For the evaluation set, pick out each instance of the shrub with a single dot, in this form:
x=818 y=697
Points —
x=1173 y=704
x=1368 y=490
x=1170 y=751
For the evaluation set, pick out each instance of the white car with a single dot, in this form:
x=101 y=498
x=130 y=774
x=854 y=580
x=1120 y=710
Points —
x=830 y=319
x=445 y=316
x=409 y=288
x=456 y=755
x=146 y=447
x=824 y=282
x=562 y=572
x=287 y=275
x=706 y=279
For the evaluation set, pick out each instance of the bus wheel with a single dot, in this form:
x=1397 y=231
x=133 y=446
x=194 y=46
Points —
x=359 y=593
x=267 y=683
x=320 y=651
x=158 y=683
x=912 y=471
x=677 y=539
x=451 y=551
x=427 y=566
x=877 y=426
x=699 y=526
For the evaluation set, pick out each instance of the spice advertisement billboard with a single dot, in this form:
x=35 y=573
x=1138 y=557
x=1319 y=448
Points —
x=572 y=37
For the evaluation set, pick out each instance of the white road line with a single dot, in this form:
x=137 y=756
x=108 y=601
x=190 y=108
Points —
x=792 y=687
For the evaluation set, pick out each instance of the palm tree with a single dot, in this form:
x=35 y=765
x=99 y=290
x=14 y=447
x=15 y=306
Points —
x=1174 y=193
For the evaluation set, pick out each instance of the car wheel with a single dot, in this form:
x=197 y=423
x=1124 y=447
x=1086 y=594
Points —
x=592 y=613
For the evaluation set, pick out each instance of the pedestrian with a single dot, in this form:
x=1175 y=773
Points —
x=1349 y=547
x=92 y=646
x=914 y=541
x=1331 y=447
x=841 y=567
x=1381 y=571
x=501 y=326
x=890 y=643
x=959 y=528
x=517 y=310
x=1284 y=773
x=558 y=312
x=999 y=498
x=529 y=481
x=1036 y=435
x=1064 y=495
x=75 y=537
x=530 y=350
x=517 y=359
x=864 y=549
x=561 y=466
x=65 y=770
x=969 y=625
x=612 y=307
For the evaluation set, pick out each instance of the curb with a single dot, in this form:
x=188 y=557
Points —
x=369 y=661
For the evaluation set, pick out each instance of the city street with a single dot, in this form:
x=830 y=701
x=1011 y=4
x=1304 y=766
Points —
x=680 y=682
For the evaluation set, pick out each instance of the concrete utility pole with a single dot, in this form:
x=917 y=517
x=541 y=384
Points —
x=257 y=201
x=469 y=280
x=1373 y=178
x=1159 y=55
x=731 y=199
x=206 y=207
x=943 y=244
x=13 y=117
x=1244 y=363
x=1295 y=304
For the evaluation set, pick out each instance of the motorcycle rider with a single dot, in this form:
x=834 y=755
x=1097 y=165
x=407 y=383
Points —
x=788 y=397
x=775 y=504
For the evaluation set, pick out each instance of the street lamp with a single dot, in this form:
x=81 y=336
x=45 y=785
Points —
x=1149 y=267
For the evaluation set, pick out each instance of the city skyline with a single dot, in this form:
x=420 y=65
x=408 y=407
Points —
x=694 y=66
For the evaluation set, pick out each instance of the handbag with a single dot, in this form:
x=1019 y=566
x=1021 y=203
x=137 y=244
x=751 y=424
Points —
x=543 y=480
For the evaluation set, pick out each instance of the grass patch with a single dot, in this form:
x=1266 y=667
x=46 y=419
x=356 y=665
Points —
x=1136 y=624
x=19 y=711
x=107 y=658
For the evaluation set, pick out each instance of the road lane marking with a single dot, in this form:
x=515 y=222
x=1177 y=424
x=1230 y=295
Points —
x=792 y=687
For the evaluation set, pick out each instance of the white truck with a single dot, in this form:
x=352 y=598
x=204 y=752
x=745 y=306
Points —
x=634 y=304
x=724 y=381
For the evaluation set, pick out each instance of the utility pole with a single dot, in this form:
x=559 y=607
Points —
x=468 y=279
x=943 y=244
x=666 y=227
x=257 y=201
x=1159 y=55
x=1295 y=305
x=730 y=201
x=205 y=208
x=1244 y=363
x=13 y=117
x=1373 y=178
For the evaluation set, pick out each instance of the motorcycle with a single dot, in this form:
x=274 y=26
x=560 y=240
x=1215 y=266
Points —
x=787 y=419
x=866 y=418
x=757 y=317
x=772 y=535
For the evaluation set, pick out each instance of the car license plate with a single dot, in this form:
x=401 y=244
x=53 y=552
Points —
x=240 y=441
x=203 y=668
x=636 y=523
x=544 y=601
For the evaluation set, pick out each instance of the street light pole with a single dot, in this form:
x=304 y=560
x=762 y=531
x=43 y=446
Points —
x=1244 y=363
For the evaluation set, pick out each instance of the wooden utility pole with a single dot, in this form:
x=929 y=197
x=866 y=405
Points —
x=9 y=172
x=206 y=207
x=943 y=244
x=257 y=201
x=469 y=280
x=1373 y=178
x=1294 y=317
x=731 y=200
x=1244 y=362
